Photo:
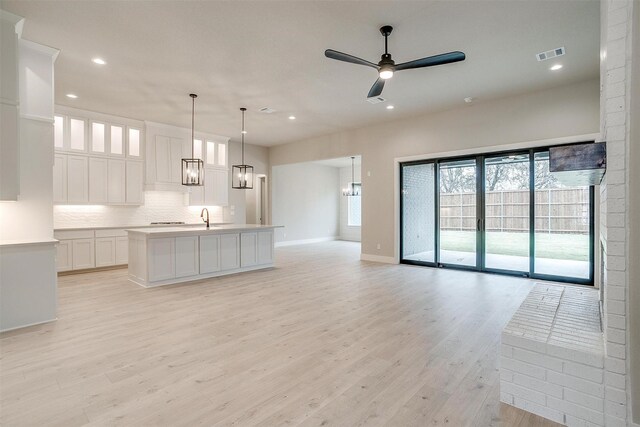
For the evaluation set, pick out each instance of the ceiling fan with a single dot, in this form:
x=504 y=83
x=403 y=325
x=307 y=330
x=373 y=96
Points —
x=386 y=67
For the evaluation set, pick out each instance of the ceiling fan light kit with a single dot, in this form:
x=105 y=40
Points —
x=387 y=66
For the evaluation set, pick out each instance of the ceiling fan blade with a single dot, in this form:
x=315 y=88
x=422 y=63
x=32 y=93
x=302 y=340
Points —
x=345 y=57
x=376 y=89
x=443 y=58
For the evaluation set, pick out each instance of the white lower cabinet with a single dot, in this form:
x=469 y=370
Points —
x=83 y=254
x=64 y=255
x=105 y=251
x=122 y=250
x=162 y=256
x=209 y=254
x=265 y=247
x=229 y=251
x=187 y=258
x=249 y=249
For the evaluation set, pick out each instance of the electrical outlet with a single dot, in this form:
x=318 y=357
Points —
x=368 y=173
x=378 y=246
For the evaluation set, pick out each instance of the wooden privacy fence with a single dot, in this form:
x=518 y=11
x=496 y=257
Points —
x=557 y=210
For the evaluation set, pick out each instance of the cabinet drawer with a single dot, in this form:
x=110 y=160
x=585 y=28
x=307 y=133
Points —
x=73 y=234
x=112 y=232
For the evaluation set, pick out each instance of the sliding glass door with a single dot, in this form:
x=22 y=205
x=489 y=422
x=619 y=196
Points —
x=458 y=181
x=500 y=213
x=506 y=213
x=418 y=213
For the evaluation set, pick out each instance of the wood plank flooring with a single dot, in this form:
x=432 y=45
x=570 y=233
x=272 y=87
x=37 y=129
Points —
x=323 y=339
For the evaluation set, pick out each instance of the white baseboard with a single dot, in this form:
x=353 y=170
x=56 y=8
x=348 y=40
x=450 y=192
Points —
x=378 y=258
x=304 y=241
x=29 y=324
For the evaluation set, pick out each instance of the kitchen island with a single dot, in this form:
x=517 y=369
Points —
x=167 y=255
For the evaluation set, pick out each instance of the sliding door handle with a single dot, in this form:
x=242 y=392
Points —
x=478 y=224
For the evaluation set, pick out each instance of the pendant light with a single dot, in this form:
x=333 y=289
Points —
x=242 y=175
x=192 y=169
x=351 y=189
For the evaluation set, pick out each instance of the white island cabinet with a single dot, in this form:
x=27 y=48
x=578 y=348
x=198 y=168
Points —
x=162 y=256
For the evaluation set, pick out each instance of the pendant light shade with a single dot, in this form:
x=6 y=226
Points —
x=352 y=189
x=242 y=175
x=192 y=169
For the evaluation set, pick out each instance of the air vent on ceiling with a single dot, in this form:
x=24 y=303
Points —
x=375 y=100
x=267 y=110
x=553 y=53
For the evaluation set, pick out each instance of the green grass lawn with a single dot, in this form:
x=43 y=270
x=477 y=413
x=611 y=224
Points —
x=555 y=246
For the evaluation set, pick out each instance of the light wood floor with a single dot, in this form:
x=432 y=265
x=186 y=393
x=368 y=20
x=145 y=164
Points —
x=323 y=339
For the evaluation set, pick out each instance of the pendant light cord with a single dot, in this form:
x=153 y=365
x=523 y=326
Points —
x=193 y=110
x=242 y=134
x=353 y=184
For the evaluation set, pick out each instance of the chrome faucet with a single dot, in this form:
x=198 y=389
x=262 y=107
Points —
x=202 y=216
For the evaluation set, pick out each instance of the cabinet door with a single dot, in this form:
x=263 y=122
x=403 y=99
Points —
x=116 y=188
x=122 y=250
x=248 y=249
x=60 y=178
x=209 y=254
x=105 y=251
x=134 y=177
x=176 y=155
x=163 y=159
x=64 y=255
x=162 y=259
x=265 y=247
x=77 y=179
x=83 y=254
x=229 y=251
x=98 y=180
x=220 y=186
x=134 y=142
x=187 y=259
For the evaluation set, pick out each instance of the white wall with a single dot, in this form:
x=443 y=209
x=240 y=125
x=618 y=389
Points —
x=562 y=112
x=305 y=200
x=256 y=156
x=348 y=232
x=158 y=206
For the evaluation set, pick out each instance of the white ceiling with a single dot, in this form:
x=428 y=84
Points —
x=270 y=54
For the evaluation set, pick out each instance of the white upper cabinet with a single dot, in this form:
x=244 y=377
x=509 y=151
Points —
x=58 y=132
x=92 y=153
x=134 y=143
x=221 y=154
x=77 y=134
x=98 y=137
x=116 y=140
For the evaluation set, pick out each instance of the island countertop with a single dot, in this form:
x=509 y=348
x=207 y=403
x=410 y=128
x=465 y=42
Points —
x=195 y=231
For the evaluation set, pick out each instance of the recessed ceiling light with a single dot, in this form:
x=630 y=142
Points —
x=390 y=107
x=292 y=117
x=72 y=95
x=244 y=131
x=99 y=61
x=556 y=67
x=468 y=99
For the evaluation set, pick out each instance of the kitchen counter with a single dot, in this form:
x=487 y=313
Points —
x=137 y=226
x=166 y=255
x=200 y=230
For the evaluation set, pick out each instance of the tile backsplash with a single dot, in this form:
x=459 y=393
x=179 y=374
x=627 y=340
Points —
x=158 y=206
